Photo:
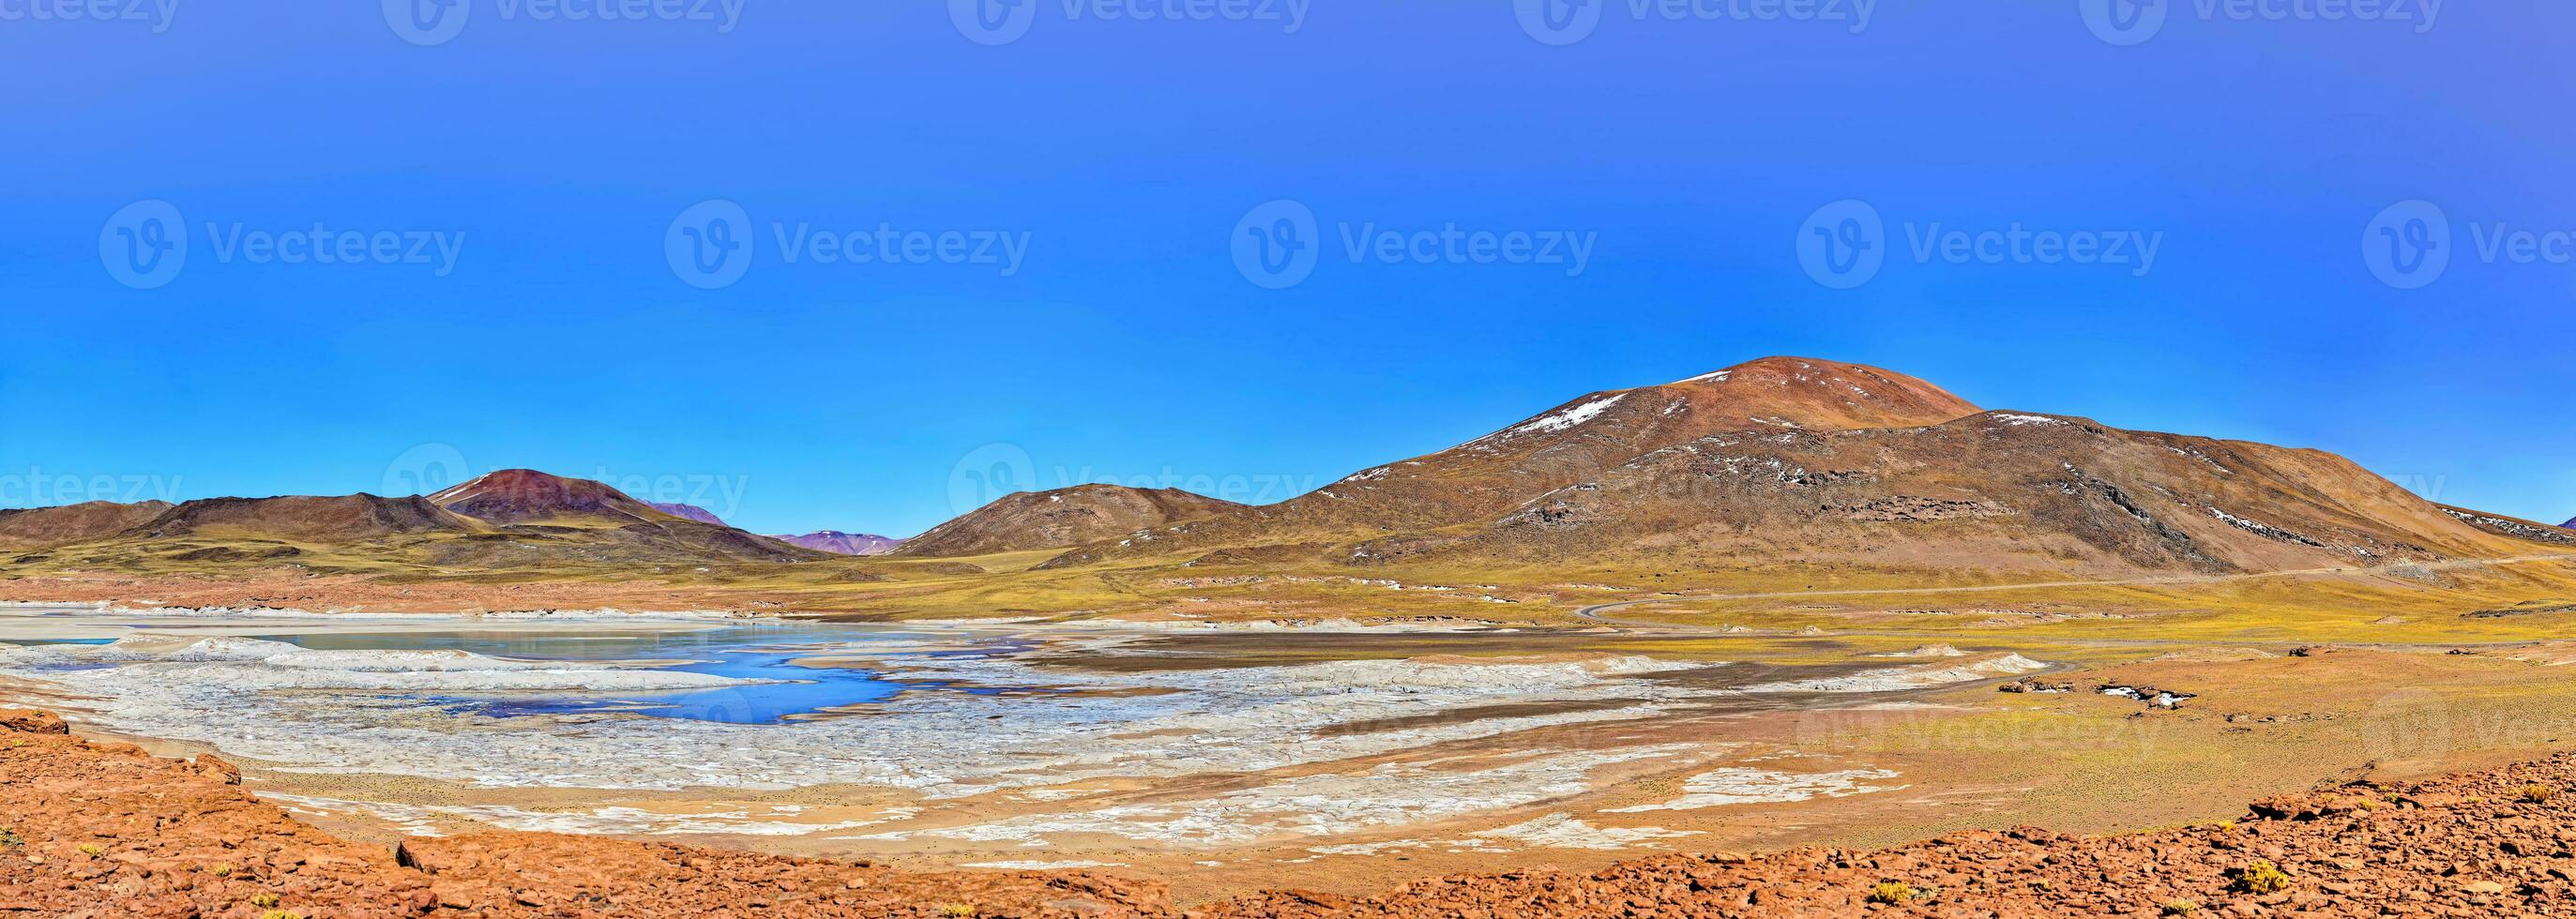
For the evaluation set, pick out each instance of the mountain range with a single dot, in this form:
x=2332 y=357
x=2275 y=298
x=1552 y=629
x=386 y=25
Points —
x=510 y=519
x=1803 y=462
x=839 y=543
x=832 y=541
x=1779 y=463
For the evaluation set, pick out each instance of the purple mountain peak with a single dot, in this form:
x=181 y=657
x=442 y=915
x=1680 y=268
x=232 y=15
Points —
x=837 y=542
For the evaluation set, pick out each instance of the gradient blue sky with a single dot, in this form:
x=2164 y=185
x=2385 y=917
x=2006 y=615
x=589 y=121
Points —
x=1129 y=347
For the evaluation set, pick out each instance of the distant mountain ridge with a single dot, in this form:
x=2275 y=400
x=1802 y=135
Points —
x=43 y=526
x=1063 y=518
x=839 y=543
x=513 y=518
x=688 y=512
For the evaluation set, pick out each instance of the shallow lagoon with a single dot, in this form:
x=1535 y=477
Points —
x=762 y=656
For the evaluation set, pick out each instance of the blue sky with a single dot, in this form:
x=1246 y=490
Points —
x=1075 y=190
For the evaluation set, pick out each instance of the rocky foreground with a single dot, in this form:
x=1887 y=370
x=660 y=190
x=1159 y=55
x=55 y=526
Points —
x=103 y=829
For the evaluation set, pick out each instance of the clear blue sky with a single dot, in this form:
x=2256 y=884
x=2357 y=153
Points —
x=1128 y=344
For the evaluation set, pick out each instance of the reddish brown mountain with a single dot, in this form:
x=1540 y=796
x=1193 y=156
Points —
x=73 y=523
x=1589 y=435
x=1063 y=518
x=536 y=503
x=521 y=495
x=1797 y=462
x=1992 y=491
x=511 y=519
x=839 y=543
x=303 y=518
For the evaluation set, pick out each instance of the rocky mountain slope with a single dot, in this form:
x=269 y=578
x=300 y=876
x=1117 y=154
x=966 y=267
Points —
x=50 y=526
x=839 y=543
x=1789 y=462
x=1585 y=437
x=1062 y=518
x=522 y=495
x=1992 y=491
x=537 y=504
x=303 y=518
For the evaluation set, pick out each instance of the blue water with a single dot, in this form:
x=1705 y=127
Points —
x=758 y=652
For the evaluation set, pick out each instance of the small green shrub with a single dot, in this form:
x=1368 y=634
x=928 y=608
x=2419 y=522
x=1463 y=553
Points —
x=264 y=900
x=2261 y=877
x=2534 y=794
x=1892 y=892
x=92 y=849
x=2181 y=908
x=959 y=910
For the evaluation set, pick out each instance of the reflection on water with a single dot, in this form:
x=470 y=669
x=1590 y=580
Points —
x=750 y=652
